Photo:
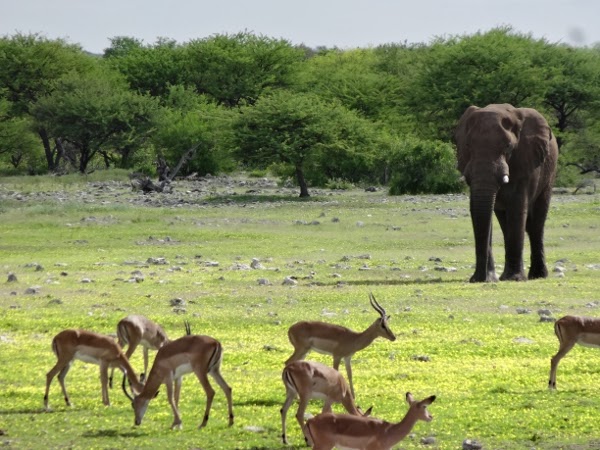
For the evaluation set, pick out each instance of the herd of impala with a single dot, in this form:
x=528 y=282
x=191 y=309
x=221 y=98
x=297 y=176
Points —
x=303 y=379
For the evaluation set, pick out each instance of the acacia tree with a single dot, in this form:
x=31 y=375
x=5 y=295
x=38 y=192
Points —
x=494 y=67
x=29 y=68
x=298 y=129
x=91 y=112
x=236 y=69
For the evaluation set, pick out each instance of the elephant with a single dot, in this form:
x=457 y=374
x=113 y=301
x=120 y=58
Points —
x=508 y=158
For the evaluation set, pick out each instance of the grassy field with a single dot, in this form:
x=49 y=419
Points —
x=86 y=254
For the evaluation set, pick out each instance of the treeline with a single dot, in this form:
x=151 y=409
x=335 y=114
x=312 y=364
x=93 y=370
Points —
x=320 y=117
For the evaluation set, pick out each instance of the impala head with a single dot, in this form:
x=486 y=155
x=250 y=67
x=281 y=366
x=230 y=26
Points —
x=419 y=408
x=385 y=330
x=139 y=405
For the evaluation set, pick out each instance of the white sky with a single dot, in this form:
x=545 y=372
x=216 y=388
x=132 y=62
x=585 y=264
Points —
x=341 y=23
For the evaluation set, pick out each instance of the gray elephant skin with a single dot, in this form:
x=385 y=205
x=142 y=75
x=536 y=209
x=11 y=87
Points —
x=508 y=158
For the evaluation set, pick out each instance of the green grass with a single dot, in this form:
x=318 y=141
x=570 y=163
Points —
x=489 y=386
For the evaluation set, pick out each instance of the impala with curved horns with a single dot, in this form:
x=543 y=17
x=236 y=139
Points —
x=337 y=341
x=92 y=348
x=199 y=354
x=310 y=379
x=344 y=431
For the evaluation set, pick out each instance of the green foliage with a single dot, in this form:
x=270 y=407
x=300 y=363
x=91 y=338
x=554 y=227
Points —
x=419 y=166
x=190 y=120
x=92 y=112
x=499 y=66
x=237 y=69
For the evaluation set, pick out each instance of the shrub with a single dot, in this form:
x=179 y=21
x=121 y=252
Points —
x=423 y=167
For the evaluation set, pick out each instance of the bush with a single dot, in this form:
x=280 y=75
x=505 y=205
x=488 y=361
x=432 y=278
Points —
x=424 y=167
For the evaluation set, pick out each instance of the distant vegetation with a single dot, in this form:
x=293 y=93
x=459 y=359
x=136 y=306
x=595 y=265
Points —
x=314 y=116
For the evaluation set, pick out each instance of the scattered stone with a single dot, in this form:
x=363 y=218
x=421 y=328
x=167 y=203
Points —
x=521 y=310
x=547 y=319
x=289 y=281
x=544 y=312
x=177 y=302
x=156 y=261
x=211 y=264
x=423 y=358
x=12 y=278
x=86 y=280
x=263 y=282
x=33 y=290
x=254 y=429
x=55 y=301
x=255 y=264
x=471 y=444
x=430 y=440
x=269 y=348
x=435 y=259
x=523 y=340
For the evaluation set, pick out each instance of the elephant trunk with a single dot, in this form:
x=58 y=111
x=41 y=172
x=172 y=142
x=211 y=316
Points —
x=482 y=206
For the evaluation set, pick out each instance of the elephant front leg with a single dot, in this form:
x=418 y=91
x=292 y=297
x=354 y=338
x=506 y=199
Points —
x=535 y=229
x=485 y=270
x=513 y=228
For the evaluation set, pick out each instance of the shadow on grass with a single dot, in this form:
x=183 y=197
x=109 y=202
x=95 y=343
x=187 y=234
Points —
x=402 y=282
x=112 y=433
x=261 y=403
x=241 y=199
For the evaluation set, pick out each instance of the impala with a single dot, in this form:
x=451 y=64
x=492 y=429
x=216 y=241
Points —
x=199 y=354
x=340 y=342
x=571 y=330
x=135 y=330
x=328 y=430
x=309 y=379
x=92 y=348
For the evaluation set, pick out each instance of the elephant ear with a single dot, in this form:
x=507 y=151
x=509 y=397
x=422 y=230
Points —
x=534 y=140
x=463 y=153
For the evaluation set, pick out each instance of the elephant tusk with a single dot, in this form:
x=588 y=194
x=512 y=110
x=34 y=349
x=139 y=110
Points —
x=505 y=179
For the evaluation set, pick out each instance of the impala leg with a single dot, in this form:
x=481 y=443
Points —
x=327 y=405
x=49 y=377
x=210 y=395
x=562 y=351
x=104 y=381
x=227 y=390
x=176 y=418
x=299 y=353
x=145 y=364
x=61 y=379
x=177 y=392
x=290 y=395
x=302 y=404
x=348 y=364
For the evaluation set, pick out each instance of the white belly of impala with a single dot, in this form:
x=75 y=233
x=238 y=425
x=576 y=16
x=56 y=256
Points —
x=86 y=358
x=182 y=370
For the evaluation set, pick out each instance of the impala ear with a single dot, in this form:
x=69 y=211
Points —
x=409 y=398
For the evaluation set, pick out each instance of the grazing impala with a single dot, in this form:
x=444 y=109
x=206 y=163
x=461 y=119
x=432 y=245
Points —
x=199 y=354
x=340 y=342
x=134 y=330
x=309 y=379
x=328 y=430
x=571 y=330
x=92 y=348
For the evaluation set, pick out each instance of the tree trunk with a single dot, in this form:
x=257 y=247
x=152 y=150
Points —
x=302 y=181
x=47 y=149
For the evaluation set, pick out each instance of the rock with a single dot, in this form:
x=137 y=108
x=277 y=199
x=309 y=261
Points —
x=289 y=281
x=263 y=282
x=177 y=302
x=523 y=311
x=423 y=358
x=547 y=319
x=156 y=261
x=430 y=440
x=33 y=290
x=255 y=264
x=12 y=278
x=471 y=444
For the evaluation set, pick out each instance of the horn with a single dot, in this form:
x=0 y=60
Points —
x=125 y=389
x=188 y=328
x=376 y=306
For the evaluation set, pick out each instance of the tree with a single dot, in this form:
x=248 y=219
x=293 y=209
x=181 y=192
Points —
x=493 y=67
x=187 y=121
x=237 y=69
x=149 y=69
x=29 y=68
x=18 y=143
x=91 y=112
x=293 y=128
x=573 y=86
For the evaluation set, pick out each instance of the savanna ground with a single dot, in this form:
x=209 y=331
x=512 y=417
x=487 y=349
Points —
x=87 y=253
